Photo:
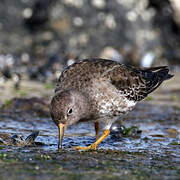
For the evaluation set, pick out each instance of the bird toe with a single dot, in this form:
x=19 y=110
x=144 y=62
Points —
x=90 y=147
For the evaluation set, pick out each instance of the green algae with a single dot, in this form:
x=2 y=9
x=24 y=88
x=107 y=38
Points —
x=130 y=131
x=148 y=98
x=174 y=143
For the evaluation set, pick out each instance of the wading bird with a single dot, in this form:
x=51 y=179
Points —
x=100 y=90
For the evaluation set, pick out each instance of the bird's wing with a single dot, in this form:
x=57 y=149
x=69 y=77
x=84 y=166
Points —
x=135 y=84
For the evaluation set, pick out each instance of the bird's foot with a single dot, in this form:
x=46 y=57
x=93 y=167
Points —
x=95 y=145
x=90 y=147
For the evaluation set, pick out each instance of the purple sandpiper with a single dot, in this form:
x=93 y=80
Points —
x=100 y=90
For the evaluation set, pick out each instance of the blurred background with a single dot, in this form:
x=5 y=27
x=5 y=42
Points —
x=38 y=38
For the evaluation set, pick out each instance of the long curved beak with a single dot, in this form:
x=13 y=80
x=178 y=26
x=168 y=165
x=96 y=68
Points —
x=61 y=128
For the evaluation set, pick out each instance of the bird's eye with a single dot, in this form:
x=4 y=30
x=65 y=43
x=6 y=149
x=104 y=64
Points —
x=69 y=111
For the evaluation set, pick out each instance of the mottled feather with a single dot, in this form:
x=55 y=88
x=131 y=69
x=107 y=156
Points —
x=134 y=83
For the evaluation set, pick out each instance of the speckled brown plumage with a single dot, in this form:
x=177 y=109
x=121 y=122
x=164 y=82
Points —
x=102 y=90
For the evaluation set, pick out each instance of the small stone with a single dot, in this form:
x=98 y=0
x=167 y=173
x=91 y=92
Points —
x=75 y=3
x=78 y=21
x=111 y=53
x=110 y=21
x=70 y=62
x=98 y=3
x=27 y=13
x=37 y=167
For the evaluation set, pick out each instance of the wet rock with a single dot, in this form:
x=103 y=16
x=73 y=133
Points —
x=31 y=138
x=4 y=136
x=33 y=106
x=118 y=130
x=173 y=133
x=158 y=135
x=18 y=140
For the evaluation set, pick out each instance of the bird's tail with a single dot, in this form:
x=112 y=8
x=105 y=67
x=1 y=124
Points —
x=155 y=76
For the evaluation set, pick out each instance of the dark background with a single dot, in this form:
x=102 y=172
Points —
x=38 y=38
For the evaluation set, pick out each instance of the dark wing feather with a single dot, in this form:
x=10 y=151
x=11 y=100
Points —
x=135 y=84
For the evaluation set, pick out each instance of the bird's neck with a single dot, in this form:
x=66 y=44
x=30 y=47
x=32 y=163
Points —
x=82 y=103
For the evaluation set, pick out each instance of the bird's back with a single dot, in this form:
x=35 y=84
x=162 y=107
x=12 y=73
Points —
x=133 y=83
x=81 y=74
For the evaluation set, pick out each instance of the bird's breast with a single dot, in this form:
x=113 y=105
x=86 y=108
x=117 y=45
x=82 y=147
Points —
x=114 y=106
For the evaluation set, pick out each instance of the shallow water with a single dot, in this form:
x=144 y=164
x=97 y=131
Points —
x=152 y=154
x=160 y=127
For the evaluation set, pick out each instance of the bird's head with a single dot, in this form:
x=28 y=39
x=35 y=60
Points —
x=67 y=108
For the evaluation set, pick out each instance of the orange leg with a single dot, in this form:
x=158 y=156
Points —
x=94 y=145
x=97 y=129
